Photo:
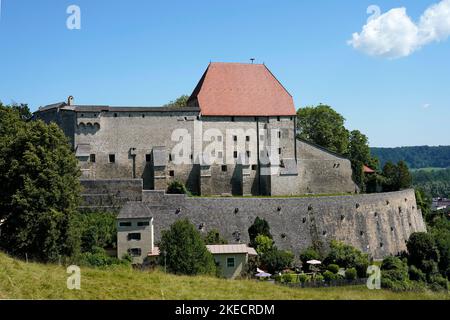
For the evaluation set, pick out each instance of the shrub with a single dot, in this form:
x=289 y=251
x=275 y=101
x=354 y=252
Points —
x=328 y=275
x=416 y=274
x=185 y=251
x=277 y=260
x=99 y=258
x=263 y=244
x=302 y=278
x=438 y=283
x=351 y=274
x=422 y=247
x=333 y=268
x=177 y=187
x=318 y=278
x=347 y=256
x=259 y=227
x=289 y=278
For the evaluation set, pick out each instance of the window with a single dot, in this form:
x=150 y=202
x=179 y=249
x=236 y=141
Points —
x=135 y=252
x=278 y=119
x=279 y=134
x=232 y=119
x=220 y=154
x=235 y=154
x=249 y=154
x=235 y=138
x=143 y=224
x=230 y=263
x=170 y=157
x=134 y=236
x=112 y=158
x=92 y=158
x=125 y=224
x=143 y=116
x=172 y=173
x=279 y=150
x=148 y=158
x=254 y=167
x=115 y=115
x=219 y=138
x=224 y=168
x=247 y=138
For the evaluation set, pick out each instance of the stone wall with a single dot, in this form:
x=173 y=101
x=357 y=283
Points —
x=379 y=224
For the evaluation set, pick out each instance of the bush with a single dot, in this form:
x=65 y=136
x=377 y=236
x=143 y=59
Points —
x=277 y=260
x=289 y=278
x=177 y=187
x=329 y=276
x=303 y=278
x=421 y=248
x=438 y=283
x=333 y=268
x=99 y=258
x=351 y=274
x=416 y=274
x=185 y=251
x=318 y=278
x=347 y=256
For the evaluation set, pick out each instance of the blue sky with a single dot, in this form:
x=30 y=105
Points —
x=147 y=53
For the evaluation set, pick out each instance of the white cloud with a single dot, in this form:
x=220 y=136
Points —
x=426 y=105
x=394 y=34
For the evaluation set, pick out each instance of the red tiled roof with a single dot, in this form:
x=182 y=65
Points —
x=368 y=170
x=236 y=89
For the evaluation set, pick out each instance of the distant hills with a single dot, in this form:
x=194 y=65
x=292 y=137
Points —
x=416 y=157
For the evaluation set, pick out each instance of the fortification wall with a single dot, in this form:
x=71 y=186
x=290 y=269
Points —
x=379 y=224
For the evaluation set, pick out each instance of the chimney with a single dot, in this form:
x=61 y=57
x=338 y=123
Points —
x=70 y=101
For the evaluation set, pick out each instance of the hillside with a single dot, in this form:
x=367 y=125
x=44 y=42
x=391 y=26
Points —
x=19 y=280
x=435 y=182
x=415 y=157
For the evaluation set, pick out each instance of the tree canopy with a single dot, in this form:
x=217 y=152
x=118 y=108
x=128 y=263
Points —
x=39 y=187
x=180 y=102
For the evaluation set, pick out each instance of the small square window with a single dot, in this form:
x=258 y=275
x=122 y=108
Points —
x=235 y=138
x=125 y=224
x=172 y=173
x=148 y=158
x=278 y=119
x=143 y=224
x=230 y=263
x=224 y=168
x=135 y=252
x=235 y=154
x=112 y=158
x=254 y=167
x=219 y=138
x=92 y=158
x=115 y=115
x=134 y=237
x=247 y=138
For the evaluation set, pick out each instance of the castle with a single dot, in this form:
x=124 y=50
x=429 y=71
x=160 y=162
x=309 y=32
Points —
x=235 y=137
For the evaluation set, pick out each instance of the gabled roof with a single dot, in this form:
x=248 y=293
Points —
x=368 y=170
x=237 y=89
x=231 y=248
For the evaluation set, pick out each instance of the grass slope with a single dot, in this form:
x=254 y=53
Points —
x=19 y=280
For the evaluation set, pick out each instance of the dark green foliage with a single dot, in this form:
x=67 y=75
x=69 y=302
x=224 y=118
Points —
x=440 y=229
x=323 y=126
x=333 y=268
x=394 y=274
x=176 y=187
x=179 y=102
x=259 y=227
x=185 y=251
x=97 y=230
x=403 y=178
x=346 y=257
x=434 y=182
x=438 y=283
x=415 y=157
x=214 y=237
x=424 y=202
x=329 y=276
x=351 y=274
x=307 y=255
x=416 y=274
x=396 y=177
x=359 y=154
x=277 y=260
x=39 y=188
x=98 y=257
x=422 y=252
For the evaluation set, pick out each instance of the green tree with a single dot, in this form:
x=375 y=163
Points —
x=276 y=260
x=96 y=230
x=184 y=251
x=324 y=127
x=259 y=227
x=346 y=257
x=39 y=188
x=179 y=102
x=263 y=244
x=214 y=237
x=390 y=174
x=422 y=252
x=359 y=155
x=403 y=178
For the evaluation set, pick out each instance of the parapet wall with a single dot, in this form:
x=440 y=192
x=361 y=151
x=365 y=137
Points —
x=379 y=224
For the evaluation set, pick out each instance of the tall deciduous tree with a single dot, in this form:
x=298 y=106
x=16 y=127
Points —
x=323 y=126
x=179 y=102
x=259 y=227
x=39 y=188
x=184 y=252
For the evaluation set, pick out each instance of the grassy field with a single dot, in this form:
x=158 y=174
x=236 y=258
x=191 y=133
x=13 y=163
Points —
x=20 y=280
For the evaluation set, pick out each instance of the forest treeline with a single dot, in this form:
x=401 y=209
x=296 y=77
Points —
x=415 y=157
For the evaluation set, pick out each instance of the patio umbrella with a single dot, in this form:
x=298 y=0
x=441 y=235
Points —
x=314 y=262
x=263 y=275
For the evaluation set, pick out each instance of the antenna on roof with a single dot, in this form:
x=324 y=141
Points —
x=252 y=60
